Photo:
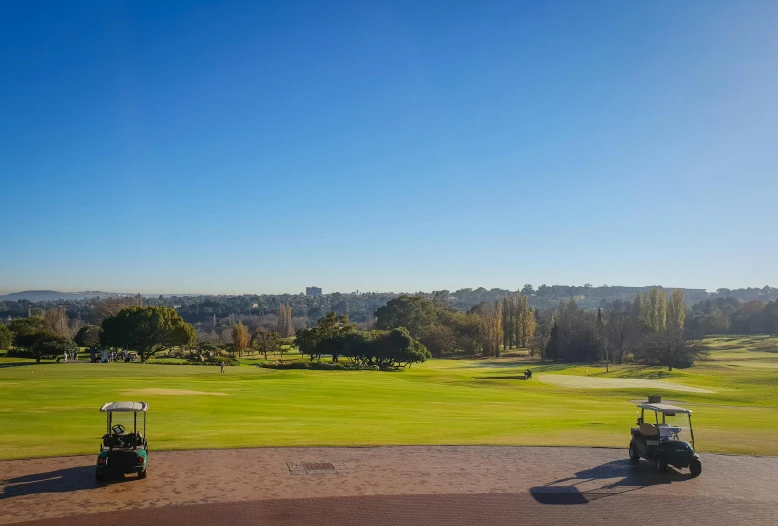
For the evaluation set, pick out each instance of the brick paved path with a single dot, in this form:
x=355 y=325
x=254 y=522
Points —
x=393 y=485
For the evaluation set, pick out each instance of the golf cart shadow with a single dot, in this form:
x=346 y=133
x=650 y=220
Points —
x=606 y=480
x=59 y=481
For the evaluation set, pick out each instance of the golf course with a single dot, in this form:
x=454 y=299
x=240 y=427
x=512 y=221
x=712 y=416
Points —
x=51 y=409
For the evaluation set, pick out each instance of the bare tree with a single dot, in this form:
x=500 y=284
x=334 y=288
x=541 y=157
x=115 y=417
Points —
x=622 y=329
x=266 y=342
x=285 y=325
x=57 y=320
x=106 y=307
x=539 y=343
x=225 y=336
x=672 y=348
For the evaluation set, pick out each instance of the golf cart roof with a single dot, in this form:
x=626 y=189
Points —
x=665 y=408
x=124 y=407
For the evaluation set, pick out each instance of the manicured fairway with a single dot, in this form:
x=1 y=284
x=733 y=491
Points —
x=52 y=409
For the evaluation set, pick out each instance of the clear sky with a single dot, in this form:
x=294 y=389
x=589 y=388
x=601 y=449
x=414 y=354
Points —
x=252 y=147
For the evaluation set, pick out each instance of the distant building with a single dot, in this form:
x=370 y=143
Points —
x=313 y=291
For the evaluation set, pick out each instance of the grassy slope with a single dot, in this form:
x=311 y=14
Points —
x=52 y=409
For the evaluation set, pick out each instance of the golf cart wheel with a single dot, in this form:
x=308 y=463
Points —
x=695 y=466
x=661 y=465
x=98 y=476
x=634 y=456
x=142 y=474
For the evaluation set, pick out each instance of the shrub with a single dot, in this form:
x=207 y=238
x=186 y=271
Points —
x=19 y=353
x=318 y=366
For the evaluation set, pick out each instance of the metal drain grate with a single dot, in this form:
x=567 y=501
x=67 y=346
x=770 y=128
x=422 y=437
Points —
x=319 y=467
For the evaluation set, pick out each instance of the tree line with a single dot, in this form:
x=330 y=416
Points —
x=214 y=316
x=727 y=315
x=651 y=329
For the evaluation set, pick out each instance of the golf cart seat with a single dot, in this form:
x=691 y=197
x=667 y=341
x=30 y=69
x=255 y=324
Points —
x=129 y=440
x=649 y=430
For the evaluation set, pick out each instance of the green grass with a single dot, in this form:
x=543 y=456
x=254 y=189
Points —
x=51 y=409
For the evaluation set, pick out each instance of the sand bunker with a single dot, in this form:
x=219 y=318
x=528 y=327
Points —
x=587 y=382
x=170 y=392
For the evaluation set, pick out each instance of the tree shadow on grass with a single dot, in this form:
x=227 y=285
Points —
x=606 y=480
x=59 y=481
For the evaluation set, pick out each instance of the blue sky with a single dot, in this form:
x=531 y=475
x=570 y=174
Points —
x=250 y=147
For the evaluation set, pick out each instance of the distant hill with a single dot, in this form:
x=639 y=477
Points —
x=53 y=295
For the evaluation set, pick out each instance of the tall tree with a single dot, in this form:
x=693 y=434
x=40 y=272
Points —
x=5 y=337
x=676 y=310
x=285 y=327
x=525 y=321
x=57 y=321
x=602 y=339
x=657 y=313
x=240 y=337
x=539 y=343
x=492 y=326
x=622 y=329
x=506 y=323
x=147 y=330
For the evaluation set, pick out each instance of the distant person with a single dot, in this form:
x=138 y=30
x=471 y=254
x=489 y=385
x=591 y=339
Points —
x=528 y=374
x=66 y=356
x=222 y=365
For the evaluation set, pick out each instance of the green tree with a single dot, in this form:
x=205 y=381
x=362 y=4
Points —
x=468 y=330
x=88 y=336
x=37 y=342
x=147 y=330
x=412 y=312
x=330 y=326
x=5 y=337
x=266 y=342
x=771 y=317
x=52 y=346
x=29 y=325
x=379 y=348
x=441 y=340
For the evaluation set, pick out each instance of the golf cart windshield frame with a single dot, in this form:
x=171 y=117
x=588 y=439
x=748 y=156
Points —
x=125 y=407
x=134 y=422
x=665 y=411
